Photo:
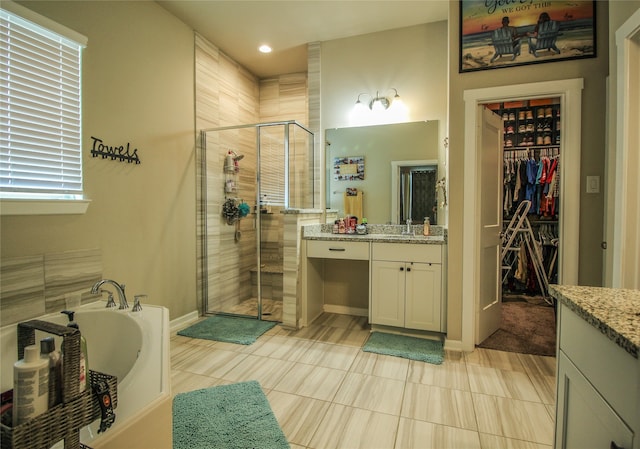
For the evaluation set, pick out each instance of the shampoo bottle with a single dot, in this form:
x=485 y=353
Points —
x=54 y=358
x=30 y=386
x=84 y=355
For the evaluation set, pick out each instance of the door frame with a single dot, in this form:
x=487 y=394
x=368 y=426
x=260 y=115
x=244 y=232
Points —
x=570 y=94
x=624 y=222
x=396 y=166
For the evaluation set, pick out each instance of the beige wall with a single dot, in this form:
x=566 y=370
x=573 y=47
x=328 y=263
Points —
x=594 y=72
x=138 y=71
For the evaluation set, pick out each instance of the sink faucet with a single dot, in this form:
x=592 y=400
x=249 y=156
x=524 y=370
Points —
x=119 y=288
x=408 y=231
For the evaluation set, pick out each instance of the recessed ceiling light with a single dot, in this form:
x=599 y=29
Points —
x=264 y=49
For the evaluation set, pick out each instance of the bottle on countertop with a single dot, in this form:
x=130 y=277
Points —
x=84 y=355
x=361 y=229
x=342 y=229
x=48 y=351
x=336 y=227
x=426 y=228
x=30 y=386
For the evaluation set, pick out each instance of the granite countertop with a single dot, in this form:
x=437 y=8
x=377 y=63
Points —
x=614 y=312
x=377 y=233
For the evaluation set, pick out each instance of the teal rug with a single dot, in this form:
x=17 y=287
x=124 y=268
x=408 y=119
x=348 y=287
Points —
x=230 y=329
x=430 y=351
x=236 y=416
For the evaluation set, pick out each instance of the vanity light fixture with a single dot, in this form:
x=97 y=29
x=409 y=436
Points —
x=379 y=109
x=379 y=103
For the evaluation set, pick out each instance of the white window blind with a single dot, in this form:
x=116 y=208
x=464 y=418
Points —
x=272 y=167
x=40 y=114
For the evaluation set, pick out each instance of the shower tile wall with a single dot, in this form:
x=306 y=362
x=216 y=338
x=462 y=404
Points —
x=35 y=285
x=228 y=95
x=314 y=51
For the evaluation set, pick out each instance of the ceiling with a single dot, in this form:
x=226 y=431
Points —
x=239 y=27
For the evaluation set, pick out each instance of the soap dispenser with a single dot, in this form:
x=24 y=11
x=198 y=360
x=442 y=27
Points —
x=84 y=356
x=426 y=228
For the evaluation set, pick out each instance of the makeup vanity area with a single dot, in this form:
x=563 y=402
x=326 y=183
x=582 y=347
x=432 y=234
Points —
x=398 y=281
x=393 y=274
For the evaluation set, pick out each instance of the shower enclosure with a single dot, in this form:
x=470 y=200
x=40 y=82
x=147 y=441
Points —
x=250 y=176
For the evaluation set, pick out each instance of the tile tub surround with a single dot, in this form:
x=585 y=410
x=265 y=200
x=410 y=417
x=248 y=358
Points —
x=378 y=233
x=614 y=312
x=36 y=285
x=351 y=398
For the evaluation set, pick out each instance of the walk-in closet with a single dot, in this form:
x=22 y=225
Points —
x=530 y=203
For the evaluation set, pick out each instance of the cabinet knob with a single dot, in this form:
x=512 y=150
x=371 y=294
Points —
x=401 y=268
x=408 y=268
x=615 y=446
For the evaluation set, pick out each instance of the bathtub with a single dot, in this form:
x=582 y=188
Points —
x=132 y=346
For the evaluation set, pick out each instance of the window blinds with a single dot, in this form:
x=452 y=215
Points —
x=40 y=113
x=272 y=168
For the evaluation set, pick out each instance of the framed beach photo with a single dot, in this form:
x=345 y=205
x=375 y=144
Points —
x=506 y=33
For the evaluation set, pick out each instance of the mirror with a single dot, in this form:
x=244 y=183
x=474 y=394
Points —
x=371 y=158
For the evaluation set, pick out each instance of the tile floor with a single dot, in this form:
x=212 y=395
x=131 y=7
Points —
x=326 y=393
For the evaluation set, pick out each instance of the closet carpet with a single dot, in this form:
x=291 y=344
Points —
x=526 y=328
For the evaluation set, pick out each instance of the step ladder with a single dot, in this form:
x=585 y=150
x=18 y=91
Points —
x=519 y=232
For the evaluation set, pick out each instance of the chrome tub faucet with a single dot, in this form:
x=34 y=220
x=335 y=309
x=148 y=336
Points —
x=118 y=287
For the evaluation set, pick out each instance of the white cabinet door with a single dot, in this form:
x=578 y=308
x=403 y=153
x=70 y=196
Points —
x=585 y=420
x=387 y=293
x=423 y=296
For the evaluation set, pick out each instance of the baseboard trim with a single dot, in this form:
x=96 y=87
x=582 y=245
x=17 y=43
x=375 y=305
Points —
x=181 y=322
x=453 y=345
x=345 y=310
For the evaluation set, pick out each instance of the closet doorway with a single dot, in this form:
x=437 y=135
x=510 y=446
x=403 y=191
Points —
x=529 y=216
x=569 y=94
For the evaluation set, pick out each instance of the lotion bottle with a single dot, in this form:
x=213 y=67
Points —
x=54 y=358
x=30 y=386
x=426 y=228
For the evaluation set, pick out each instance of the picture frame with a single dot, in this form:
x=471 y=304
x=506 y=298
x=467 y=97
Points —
x=348 y=168
x=506 y=33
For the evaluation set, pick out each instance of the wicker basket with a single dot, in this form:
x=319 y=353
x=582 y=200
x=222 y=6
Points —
x=77 y=410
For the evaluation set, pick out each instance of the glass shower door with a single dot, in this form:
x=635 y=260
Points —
x=263 y=169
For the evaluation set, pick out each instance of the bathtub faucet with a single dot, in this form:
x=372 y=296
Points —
x=119 y=288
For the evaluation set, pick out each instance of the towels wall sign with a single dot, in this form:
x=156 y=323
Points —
x=119 y=153
x=506 y=33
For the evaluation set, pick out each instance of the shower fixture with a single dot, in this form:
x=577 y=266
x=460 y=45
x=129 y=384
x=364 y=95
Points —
x=231 y=161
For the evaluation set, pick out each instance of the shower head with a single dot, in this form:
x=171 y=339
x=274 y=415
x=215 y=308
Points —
x=238 y=157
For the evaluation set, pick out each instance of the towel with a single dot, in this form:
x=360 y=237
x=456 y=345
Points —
x=353 y=205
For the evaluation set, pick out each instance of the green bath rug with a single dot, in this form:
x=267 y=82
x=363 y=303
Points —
x=430 y=351
x=236 y=416
x=230 y=329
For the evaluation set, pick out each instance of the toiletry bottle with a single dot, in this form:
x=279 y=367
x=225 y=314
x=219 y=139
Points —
x=336 y=227
x=341 y=227
x=48 y=352
x=426 y=228
x=30 y=386
x=84 y=355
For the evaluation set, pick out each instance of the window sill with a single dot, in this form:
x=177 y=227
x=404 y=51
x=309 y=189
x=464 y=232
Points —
x=42 y=207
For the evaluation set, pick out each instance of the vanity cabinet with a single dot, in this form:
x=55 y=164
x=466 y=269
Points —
x=406 y=286
x=598 y=397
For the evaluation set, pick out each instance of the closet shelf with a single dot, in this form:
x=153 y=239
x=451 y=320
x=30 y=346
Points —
x=532 y=147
